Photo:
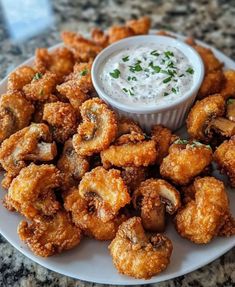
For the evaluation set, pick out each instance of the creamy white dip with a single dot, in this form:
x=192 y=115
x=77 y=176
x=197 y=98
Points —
x=146 y=74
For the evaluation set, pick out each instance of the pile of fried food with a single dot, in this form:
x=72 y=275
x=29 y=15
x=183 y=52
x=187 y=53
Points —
x=74 y=169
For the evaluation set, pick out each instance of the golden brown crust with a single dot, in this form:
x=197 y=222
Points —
x=137 y=256
x=201 y=219
x=140 y=26
x=133 y=176
x=229 y=87
x=116 y=33
x=50 y=235
x=19 y=78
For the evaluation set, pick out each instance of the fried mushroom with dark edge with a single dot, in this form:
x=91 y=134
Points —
x=31 y=193
x=137 y=255
x=229 y=87
x=105 y=190
x=98 y=129
x=224 y=156
x=185 y=161
x=62 y=120
x=19 y=78
x=15 y=114
x=202 y=113
x=201 y=219
x=33 y=143
x=87 y=217
x=50 y=235
x=231 y=109
x=72 y=166
x=152 y=199
x=128 y=126
x=133 y=176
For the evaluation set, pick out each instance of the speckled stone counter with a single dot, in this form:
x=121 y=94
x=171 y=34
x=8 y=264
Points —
x=211 y=21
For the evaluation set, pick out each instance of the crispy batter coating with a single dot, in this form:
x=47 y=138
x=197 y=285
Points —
x=60 y=61
x=128 y=126
x=202 y=113
x=185 y=161
x=152 y=199
x=72 y=166
x=133 y=176
x=33 y=143
x=77 y=85
x=15 y=114
x=86 y=217
x=98 y=129
x=105 y=190
x=31 y=193
x=230 y=113
x=229 y=87
x=140 y=26
x=116 y=33
x=50 y=235
x=135 y=254
x=225 y=159
x=138 y=154
x=201 y=219
x=82 y=48
x=163 y=138
x=19 y=78
x=99 y=37
x=41 y=88
x=62 y=121
x=228 y=228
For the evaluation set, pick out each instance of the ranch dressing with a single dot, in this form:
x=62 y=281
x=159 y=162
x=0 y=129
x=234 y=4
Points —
x=147 y=74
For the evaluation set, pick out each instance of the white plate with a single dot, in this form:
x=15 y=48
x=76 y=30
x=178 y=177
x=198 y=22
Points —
x=90 y=261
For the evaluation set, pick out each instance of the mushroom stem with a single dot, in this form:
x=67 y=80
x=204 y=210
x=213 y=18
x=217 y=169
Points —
x=231 y=111
x=223 y=126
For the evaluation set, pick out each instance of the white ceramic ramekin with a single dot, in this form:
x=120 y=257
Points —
x=171 y=115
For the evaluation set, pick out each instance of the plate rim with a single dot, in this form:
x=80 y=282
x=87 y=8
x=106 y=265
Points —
x=154 y=279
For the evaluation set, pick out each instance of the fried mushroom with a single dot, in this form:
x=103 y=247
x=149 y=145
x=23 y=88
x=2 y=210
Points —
x=229 y=87
x=152 y=199
x=231 y=109
x=19 y=78
x=15 y=113
x=140 y=26
x=31 y=193
x=98 y=129
x=133 y=176
x=135 y=254
x=201 y=219
x=50 y=235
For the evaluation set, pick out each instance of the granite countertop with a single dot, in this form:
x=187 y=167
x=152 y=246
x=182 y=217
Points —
x=211 y=21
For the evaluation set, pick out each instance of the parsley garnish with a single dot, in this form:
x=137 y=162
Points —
x=167 y=80
x=84 y=72
x=230 y=101
x=131 y=78
x=190 y=70
x=37 y=76
x=136 y=68
x=180 y=141
x=182 y=75
x=168 y=54
x=155 y=53
x=115 y=74
x=125 y=59
x=156 y=69
x=125 y=90
x=173 y=90
x=165 y=94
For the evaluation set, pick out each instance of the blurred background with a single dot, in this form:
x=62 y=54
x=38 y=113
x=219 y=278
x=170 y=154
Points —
x=27 y=24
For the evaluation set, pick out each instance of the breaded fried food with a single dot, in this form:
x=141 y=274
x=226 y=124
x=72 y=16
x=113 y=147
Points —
x=185 y=161
x=60 y=61
x=128 y=126
x=137 y=255
x=229 y=87
x=116 y=33
x=105 y=190
x=72 y=166
x=85 y=216
x=201 y=219
x=41 y=87
x=33 y=143
x=202 y=113
x=15 y=113
x=77 y=86
x=98 y=129
x=82 y=48
x=230 y=113
x=99 y=37
x=225 y=159
x=19 y=78
x=152 y=199
x=228 y=228
x=133 y=176
x=163 y=138
x=50 y=235
x=140 y=26
x=143 y=153
x=31 y=193
x=62 y=120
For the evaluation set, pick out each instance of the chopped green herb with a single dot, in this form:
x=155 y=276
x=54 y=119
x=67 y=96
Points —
x=155 y=53
x=136 y=68
x=173 y=90
x=84 y=72
x=134 y=79
x=230 y=101
x=168 y=54
x=165 y=94
x=125 y=59
x=182 y=75
x=156 y=69
x=37 y=76
x=129 y=78
x=115 y=74
x=125 y=90
x=190 y=70
x=180 y=141
x=167 y=80
x=171 y=65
